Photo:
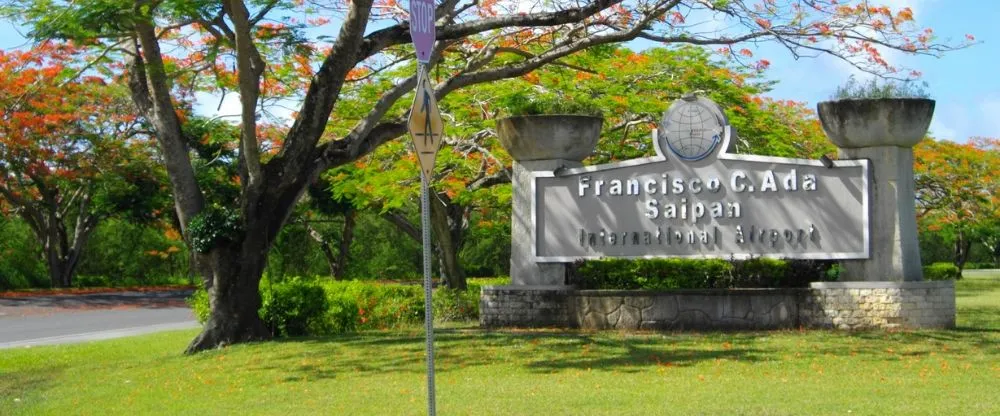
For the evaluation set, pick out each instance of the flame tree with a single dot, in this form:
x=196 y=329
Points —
x=260 y=50
x=71 y=153
x=958 y=193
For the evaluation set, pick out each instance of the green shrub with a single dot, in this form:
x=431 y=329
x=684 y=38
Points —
x=92 y=281
x=342 y=315
x=214 y=225
x=128 y=281
x=941 y=271
x=20 y=265
x=768 y=272
x=198 y=301
x=451 y=305
x=318 y=306
x=833 y=273
x=653 y=274
x=873 y=89
x=295 y=307
x=381 y=306
x=12 y=279
x=974 y=266
x=477 y=283
x=130 y=254
x=660 y=274
x=536 y=101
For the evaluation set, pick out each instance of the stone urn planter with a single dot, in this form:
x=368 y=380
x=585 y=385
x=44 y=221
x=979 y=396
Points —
x=883 y=131
x=857 y=123
x=549 y=137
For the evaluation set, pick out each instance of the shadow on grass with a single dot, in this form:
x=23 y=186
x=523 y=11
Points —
x=536 y=351
x=22 y=384
x=553 y=350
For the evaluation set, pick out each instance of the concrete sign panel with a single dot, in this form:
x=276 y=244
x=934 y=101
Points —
x=422 y=28
x=694 y=199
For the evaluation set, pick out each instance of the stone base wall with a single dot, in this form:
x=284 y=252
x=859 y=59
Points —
x=844 y=305
x=889 y=305
x=688 y=309
x=524 y=306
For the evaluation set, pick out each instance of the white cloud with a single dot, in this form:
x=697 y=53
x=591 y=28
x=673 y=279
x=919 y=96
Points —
x=951 y=121
x=940 y=130
x=960 y=120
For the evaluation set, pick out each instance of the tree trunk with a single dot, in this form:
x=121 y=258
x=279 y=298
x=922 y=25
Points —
x=324 y=246
x=62 y=250
x=454 y=273
x=60 y=271
x=346 y=238
x=962 y=246
x=235 y=299
x=232 y=270
x=337 y=262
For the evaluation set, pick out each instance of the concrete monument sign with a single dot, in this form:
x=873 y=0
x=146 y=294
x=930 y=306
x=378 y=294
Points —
x=695 y=199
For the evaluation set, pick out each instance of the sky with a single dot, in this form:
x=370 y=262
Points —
x=965 y=83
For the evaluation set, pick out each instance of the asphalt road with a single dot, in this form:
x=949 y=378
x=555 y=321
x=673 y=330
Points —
x=60 y=319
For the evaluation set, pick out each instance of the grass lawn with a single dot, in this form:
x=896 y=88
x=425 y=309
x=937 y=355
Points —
x=532 y=372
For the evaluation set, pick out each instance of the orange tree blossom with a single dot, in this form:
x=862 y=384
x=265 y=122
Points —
x=262 y=51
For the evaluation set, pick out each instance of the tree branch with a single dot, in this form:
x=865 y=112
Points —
x=151 y=90
x=403 y=224
x=250 y=68
x=295 y=157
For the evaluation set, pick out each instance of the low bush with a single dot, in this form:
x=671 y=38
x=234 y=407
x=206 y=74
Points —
x=941 y=271
x=81 y=281
x=451 y=305
x=661 y=274
x=295 y=307
x=20 y=265
x=12 y=279
x=378 y=306
x=477 y=283
x=649 y=274
x=318 y=306
x=198 y=301
x=342 y=315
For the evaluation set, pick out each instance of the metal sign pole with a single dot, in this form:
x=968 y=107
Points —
x=425 y=225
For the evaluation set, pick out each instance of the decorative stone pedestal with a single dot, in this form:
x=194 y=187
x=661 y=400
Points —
x=523 y=269
x=883 y=131
x=540 y=144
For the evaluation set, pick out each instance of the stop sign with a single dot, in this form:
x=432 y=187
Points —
x=422 y=28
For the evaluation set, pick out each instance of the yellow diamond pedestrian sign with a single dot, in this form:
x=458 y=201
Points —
x=425 y=124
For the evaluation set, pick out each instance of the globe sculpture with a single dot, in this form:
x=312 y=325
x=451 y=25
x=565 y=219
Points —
x=693 y=128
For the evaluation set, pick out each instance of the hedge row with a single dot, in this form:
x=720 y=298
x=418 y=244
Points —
x=318 y=306
x=659 y=274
